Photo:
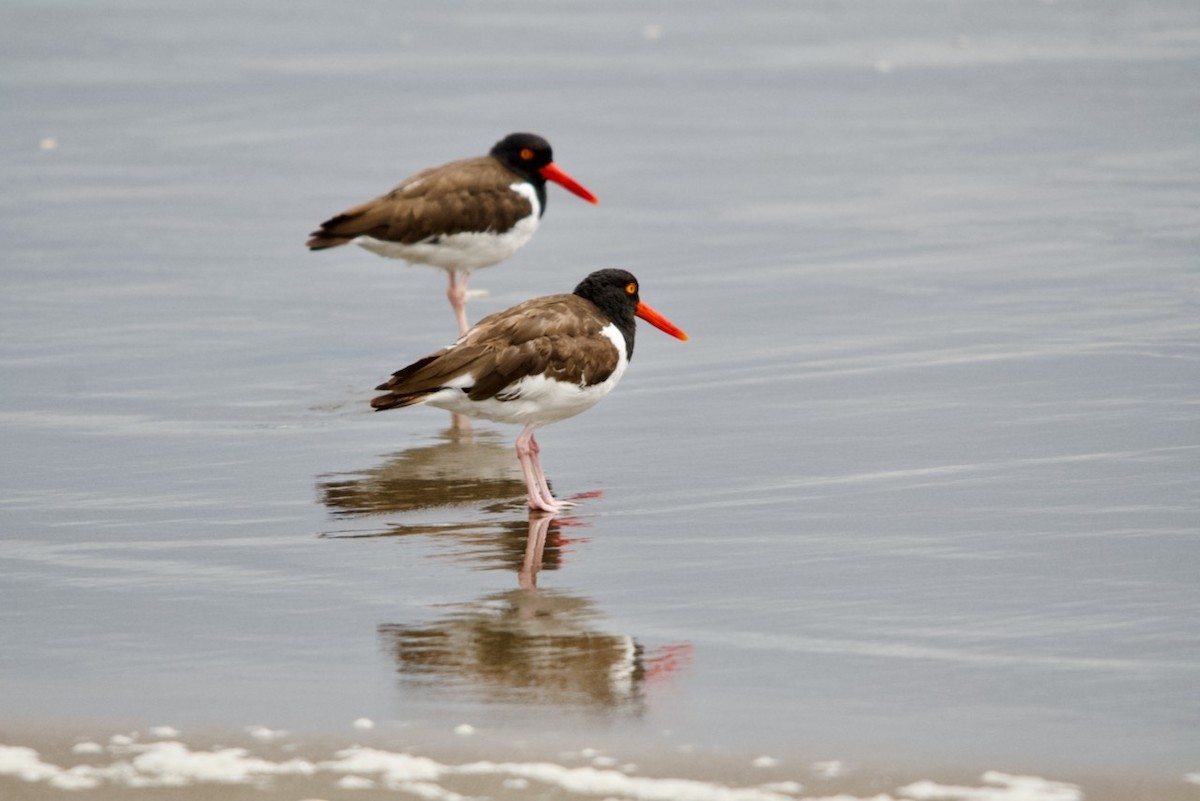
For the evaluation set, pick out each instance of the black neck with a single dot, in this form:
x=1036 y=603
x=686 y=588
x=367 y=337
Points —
x=539 y=186
x=616 y=306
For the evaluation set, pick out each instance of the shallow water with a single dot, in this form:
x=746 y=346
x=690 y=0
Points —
x=922 y=486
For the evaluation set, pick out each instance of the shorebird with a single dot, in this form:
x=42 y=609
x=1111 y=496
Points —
x=461 y=216
x=536 y=363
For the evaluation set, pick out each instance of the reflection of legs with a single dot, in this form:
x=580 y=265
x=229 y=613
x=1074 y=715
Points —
x=457 y=294
x=535 y=481
x=534 y=547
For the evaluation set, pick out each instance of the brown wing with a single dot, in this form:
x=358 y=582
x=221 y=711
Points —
x=557 y=335
x=468 y=195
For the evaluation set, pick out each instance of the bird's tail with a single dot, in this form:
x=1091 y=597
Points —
x=320 y=240
x=367 y=219
x=395 y=400
x=401 y=390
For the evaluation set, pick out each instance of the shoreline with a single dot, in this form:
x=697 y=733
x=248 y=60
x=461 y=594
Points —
x=92 y=762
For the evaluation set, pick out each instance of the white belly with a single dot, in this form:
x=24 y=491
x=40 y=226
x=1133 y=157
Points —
x=534 y=399
x=466 y=251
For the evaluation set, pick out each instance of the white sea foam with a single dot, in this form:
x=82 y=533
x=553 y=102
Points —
x=592 y=781
x=392 y=768
x=160 y=764
x=793 y=788
x=1004 y=787
x=171 y=764
x=829 y=769
x=174 y=764
x=265 y=734
x=25 y=764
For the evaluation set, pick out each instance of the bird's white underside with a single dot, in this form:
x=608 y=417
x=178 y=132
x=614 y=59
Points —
x=467 y=251
x=534 y=399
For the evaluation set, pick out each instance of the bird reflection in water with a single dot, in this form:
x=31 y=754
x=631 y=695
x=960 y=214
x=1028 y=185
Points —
x=476 y=469
x=474 y=474
x=524 y=645
x=529 y=645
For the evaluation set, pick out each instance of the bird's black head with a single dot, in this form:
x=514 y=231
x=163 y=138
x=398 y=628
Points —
x=615 y=292
x=525 y=154
x=529 y=156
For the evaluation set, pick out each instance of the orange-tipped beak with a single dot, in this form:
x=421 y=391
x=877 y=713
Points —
x=551 y=172
x=658 y=321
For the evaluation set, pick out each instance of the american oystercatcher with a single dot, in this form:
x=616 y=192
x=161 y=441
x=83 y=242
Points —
x=539 y=362
x=460 y=216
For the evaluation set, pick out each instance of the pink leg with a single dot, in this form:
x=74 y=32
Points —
x=527 y=456
x=543 y=484
x=539 y=476
x=457 y=295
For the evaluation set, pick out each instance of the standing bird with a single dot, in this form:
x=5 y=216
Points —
x=460 y=216
x=539 y=362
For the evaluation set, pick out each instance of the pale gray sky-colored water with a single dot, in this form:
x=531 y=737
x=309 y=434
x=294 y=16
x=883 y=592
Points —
x=924 y=481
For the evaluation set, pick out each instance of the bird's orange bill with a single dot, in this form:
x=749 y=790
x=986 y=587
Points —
x=658 y=321
x=551 y=172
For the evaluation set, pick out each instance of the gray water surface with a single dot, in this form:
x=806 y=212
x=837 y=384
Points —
x=925 y=481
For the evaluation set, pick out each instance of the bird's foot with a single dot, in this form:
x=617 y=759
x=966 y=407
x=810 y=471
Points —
x=540 y=504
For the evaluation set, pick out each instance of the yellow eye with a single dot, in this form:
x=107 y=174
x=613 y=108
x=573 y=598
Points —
x=526 y=154
x=631 y=288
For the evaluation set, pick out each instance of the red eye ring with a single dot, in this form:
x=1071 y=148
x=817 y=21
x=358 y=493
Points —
x=527 y=154
x=631 y=288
